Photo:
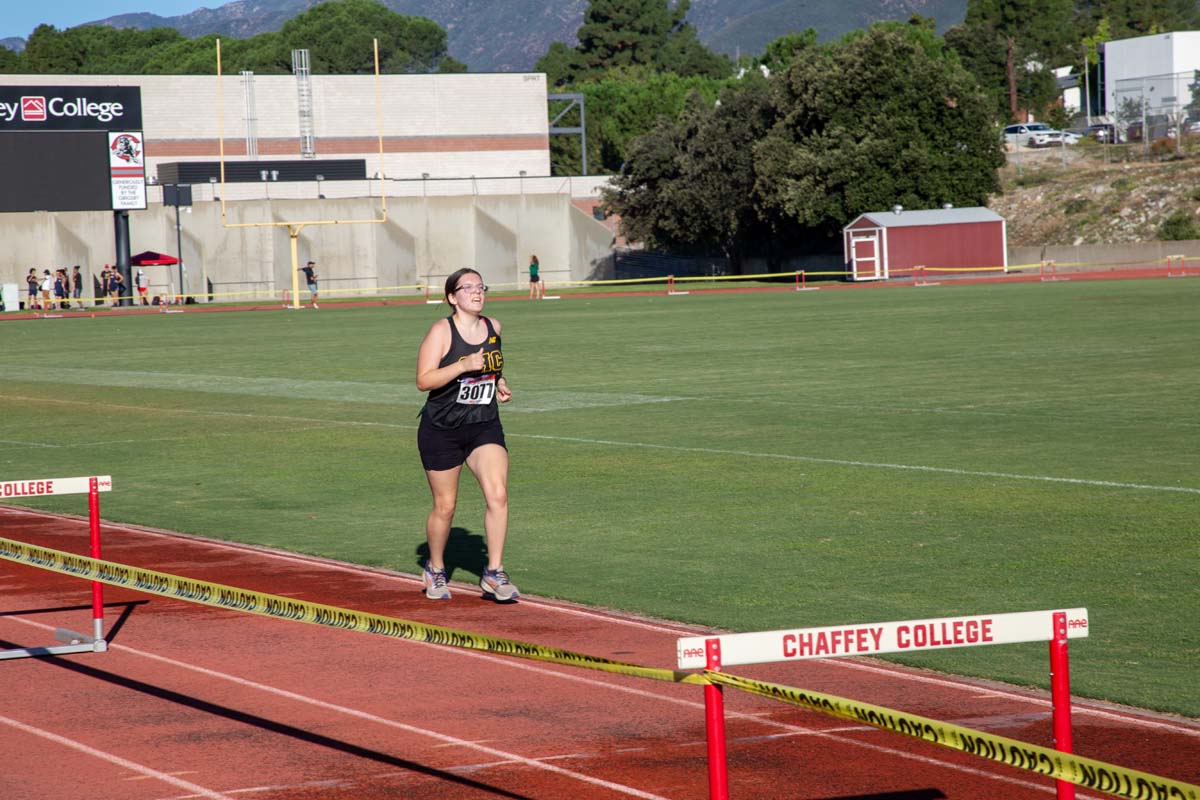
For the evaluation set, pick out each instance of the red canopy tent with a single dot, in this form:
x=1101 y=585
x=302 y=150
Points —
x=152 y=259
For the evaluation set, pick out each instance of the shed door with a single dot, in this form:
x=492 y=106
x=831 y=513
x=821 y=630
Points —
x=864 y=254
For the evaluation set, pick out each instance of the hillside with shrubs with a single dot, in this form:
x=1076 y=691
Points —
x=1092 y=193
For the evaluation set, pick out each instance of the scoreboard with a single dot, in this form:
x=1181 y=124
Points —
x=71 y=148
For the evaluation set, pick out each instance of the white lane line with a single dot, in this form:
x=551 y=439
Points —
x=841 y=462
x=1078 y=706
x=502 y=755
x=145 y=771
x=831 y=734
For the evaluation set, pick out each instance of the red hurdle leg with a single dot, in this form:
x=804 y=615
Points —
x=714 y=726
x=1060 y=698
x=97 y=586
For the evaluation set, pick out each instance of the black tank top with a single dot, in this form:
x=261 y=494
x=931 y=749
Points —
x=470 y=398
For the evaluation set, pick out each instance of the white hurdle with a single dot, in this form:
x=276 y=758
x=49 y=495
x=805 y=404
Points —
x=877 y=638
x=73 y=642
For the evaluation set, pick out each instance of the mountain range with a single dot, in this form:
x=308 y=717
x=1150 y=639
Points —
x=511 y=35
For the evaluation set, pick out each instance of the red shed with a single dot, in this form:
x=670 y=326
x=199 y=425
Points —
x=880 y=243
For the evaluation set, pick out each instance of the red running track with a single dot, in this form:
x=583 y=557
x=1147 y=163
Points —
x=197 y=702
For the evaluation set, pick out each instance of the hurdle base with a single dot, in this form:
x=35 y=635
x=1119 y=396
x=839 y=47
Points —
x=74 y=642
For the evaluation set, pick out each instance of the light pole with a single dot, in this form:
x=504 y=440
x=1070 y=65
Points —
x=1087 y=92
x=520 y=227
x=177 y=196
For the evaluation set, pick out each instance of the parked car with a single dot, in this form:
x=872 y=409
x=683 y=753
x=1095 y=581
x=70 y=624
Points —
x=1104 y=132
x=1051 y=138
x=1036 y=134
x=1021 y=133
x=1156 y=127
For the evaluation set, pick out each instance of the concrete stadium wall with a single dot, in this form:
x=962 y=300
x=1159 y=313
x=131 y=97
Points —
x=1097 y=256
x=423 y=240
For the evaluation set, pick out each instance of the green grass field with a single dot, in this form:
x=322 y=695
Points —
x=747 y=461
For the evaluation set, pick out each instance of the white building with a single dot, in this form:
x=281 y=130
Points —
x=445 y=126
x=1156 y=68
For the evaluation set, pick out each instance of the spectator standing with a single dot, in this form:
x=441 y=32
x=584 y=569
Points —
x=47 y=288
x=76 y=286
x=31 y=281
x=115 y=284
x=143 y=284
x=537 y=289
x=61 y=289
x=310 y=277
x=104 y=282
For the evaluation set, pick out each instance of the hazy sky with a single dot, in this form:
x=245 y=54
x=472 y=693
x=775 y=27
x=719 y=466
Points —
x=20 y=17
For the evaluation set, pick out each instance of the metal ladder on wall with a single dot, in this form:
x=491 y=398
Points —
x=302 y=70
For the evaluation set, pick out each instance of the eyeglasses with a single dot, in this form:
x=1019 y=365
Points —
x=471 y=288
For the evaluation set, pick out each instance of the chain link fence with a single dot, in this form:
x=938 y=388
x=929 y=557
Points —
x=1155 y=107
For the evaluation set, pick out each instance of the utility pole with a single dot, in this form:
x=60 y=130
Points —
x=178 y=195
x=1087 y=93
x=1010 y=71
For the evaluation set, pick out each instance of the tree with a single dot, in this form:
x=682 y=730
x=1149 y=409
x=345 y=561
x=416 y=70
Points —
x=688 y=184
x=872 y=121
x=1129 y=18
x=337 y=33
x=1019 y=37
x=49 y=51
x=780 y=52
x=636 y=59
x=1193 y=106
x=618 y=34
x=339 y=36
x=621 y=106
x=10 y=62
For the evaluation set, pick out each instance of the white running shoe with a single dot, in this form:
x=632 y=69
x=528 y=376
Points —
x=497 y=586
x=435 y=583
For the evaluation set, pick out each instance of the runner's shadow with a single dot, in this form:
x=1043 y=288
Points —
x=464 y=550
x=278 y=728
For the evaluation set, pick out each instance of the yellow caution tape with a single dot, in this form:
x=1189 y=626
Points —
x=1087 y=772
x=270 y=605
x=966 y=269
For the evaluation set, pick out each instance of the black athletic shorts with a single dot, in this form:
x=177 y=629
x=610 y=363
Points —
x=447 y=449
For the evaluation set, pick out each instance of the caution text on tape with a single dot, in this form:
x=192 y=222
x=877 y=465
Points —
x=1086 y=772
